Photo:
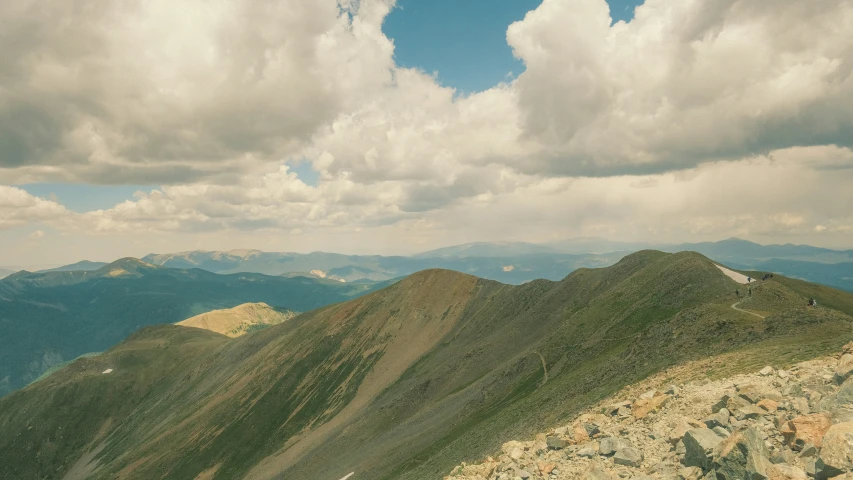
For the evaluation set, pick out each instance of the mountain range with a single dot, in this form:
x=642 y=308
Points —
x=48 y=318
x=519 y=262
x=404 y=382
x=514 y=268
x=508 y=262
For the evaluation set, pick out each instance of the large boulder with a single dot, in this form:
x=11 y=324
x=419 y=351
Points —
x=844 y=369
x=719 y=419
x=609 y=445
x=699 y=445
x=845 y=392
x=555 y=443
x=836 y=456
x=749 y=393
x=579 y=433
x=742 y=456
x=643 y=406
x=682 y=426
x=628 y=456
x=749 y=412
x=768 y=405
x=513 y=449
x=806 y=429
x=722 y=403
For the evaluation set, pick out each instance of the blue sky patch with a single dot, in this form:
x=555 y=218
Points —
x=464 y=42
x=83 y=197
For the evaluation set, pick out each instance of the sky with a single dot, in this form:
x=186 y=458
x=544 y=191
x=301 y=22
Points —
x=387 y=127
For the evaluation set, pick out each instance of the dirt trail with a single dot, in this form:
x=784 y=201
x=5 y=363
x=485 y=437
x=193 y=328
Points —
x=735 y=306
x=544 y=367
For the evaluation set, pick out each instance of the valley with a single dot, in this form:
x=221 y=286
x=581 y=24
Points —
x=52 y=317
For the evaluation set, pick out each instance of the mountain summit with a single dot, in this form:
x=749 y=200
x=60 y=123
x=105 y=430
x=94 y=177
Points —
x=128 y=266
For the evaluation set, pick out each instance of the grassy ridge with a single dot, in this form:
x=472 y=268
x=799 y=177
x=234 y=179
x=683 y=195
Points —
x=408 y=381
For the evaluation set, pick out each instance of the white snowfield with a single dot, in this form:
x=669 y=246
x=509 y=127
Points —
x=351 y=474
x=109 y=370
x=738 y=277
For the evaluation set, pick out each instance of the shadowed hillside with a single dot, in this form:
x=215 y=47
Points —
x=403 y=383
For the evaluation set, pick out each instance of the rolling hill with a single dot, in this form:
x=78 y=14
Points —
x=403 y=383
x=51 y=317
x=237 y=321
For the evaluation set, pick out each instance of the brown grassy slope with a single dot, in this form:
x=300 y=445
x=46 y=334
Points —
x=47 y=426
x=289 y=383
x=235 y=322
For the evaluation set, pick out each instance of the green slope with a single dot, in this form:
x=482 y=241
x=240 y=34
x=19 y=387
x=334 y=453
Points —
x=52 y=317
x=405 y=382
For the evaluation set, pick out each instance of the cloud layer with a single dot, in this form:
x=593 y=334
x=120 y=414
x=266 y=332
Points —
x=697 y=118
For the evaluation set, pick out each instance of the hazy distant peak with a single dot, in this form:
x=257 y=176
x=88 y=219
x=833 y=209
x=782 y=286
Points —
x=83 y=265
x=243 y=253
x=125 y=266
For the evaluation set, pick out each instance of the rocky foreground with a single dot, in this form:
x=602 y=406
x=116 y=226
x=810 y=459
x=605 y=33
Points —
x=774 y=424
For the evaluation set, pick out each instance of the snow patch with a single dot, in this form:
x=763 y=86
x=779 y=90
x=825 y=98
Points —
x=109 y=370
x=738 y=277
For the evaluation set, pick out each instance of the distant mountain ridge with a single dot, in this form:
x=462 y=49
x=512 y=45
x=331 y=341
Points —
x=84 y=265
x=743 y=251
x=51 y=317
x=489 y=249
x=507 y=262
x=513 y=269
